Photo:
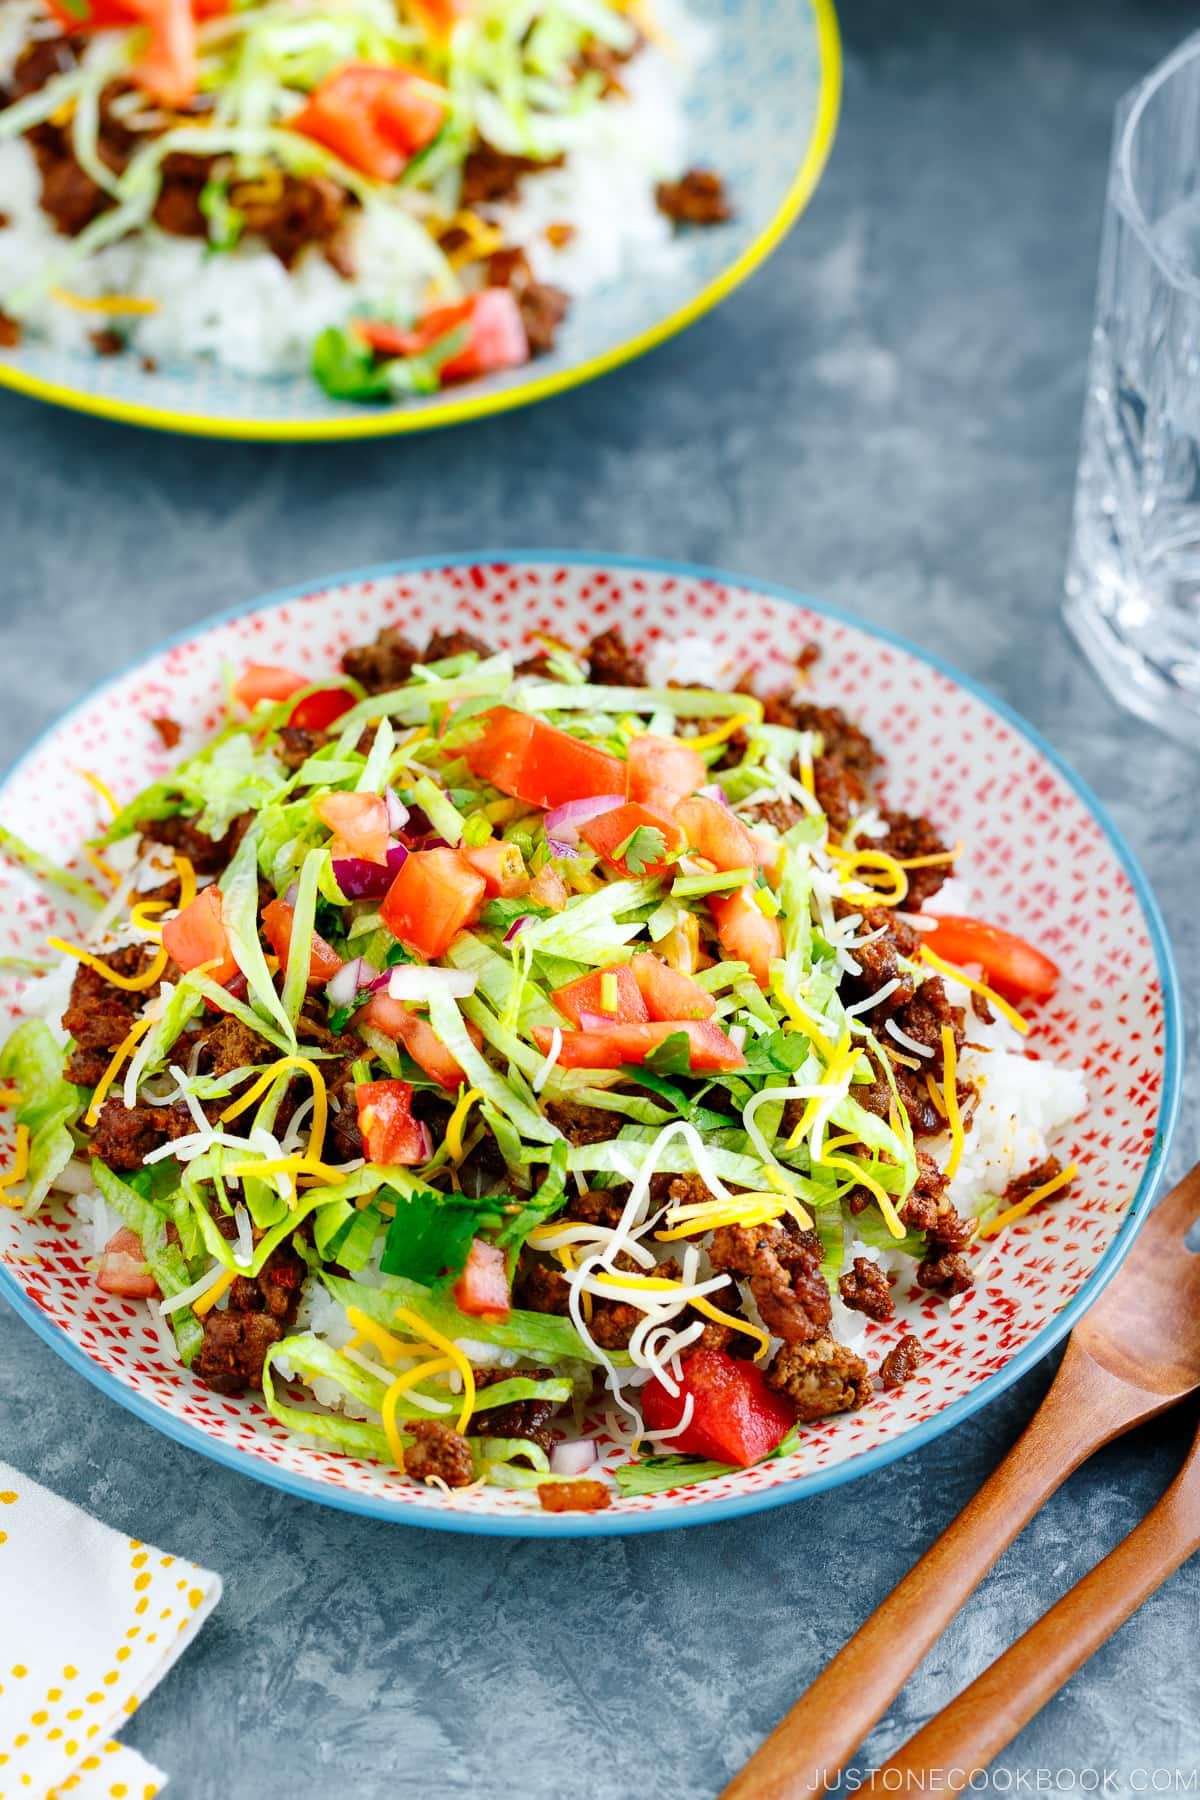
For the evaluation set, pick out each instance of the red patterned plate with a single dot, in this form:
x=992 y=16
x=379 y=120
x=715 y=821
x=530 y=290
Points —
x=1041 y=857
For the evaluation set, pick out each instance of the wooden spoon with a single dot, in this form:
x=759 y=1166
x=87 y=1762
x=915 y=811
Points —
x=1133 y=1354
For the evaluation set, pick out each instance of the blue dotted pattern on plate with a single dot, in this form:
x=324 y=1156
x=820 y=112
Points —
x=750 y=112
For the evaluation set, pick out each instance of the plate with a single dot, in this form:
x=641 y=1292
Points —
x=1041 y=854
x=762 y=109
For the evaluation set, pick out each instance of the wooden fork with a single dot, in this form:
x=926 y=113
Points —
x=1133 y=1354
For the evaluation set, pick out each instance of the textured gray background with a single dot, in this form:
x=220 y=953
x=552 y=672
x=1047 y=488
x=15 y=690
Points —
x=886 y=415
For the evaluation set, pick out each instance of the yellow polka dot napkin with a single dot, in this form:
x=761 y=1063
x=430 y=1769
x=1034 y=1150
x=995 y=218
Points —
x=90 y=1622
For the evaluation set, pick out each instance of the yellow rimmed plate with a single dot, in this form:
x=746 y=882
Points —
x=763 y=110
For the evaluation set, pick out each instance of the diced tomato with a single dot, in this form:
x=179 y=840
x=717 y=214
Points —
x=717 y=835
x=586 y=995
x=495 y=340
x=585 y=1495
x=264 y=681
x=427 y=1050
x=539 y=764
x=167 y=69
x=502 y=867
x=736 y=1417
x=607 y=833
x=197 y=935
x=277 y=920
x=97 y=15
x=123 y=1268
x=391 y=1135
x=619 y=1044
x=668 y=994
x=662 y=771
x=441 y=16
x=1014 y=968
x=317 y=711
x=746 y=934
x=374 y=117
x=482 y=1288
x=434 y=895
x=359 y=823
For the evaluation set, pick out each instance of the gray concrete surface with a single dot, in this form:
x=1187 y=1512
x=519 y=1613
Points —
x=886 y=415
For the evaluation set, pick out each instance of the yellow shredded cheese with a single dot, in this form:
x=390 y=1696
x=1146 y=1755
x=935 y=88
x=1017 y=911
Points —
x=408 y=1317
x=130 y=984
x=389 y=1347
x=708 y=740
x=950 y=1097
x=19 y=1170
x=10 y=1096
x=977 y=987
x=123 y=1049
x=101 y=867
x=138 y=916
x=436 y=1366
x=109 y=305
x=1032 y=1199
x=935 y=1094
x=801 y=1022
x=610 y=993
x=101 y=787
x=705 y=1306
x=865 y=868
x=187 y=881
x=656 y=1284
x=931 y=861
x=880 y=1194
x=456 y=1121
x=209 y=1298
x=482 y=239
x=320 y=1113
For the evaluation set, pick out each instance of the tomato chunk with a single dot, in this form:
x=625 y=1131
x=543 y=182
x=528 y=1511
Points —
x=278 y=919
x=745 y=933
x=619 y=1044
x=717 y=835
x=587 y=995
x=502 y=867
x=496 y=337
x=434 y=895
x=609 y=835
x=123 y=1268
x=538 y=763
x=736 y=1417
x=1014 y=968
x=426 y=1048
x=374 y=117
x=482 y=1288
x=668 y=993
x=663 y=771
x=391 y=1135
x=264 y=681
x=197 y=935
x=167 y=69
x=317 y=711
x=359 y=823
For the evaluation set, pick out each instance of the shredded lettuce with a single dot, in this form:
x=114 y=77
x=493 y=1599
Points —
x=164 y=1259
x=46 y=870
x=49 y=1105
x=239 y=893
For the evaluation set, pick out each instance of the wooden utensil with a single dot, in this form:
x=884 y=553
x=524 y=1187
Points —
x=969 y=1732
x=1133 y=1354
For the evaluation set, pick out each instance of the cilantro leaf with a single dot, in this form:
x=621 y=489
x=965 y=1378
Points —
x=430 y=1236
x=499 y=915
x=644 y=847
x=397 y=954
x=673 y=1056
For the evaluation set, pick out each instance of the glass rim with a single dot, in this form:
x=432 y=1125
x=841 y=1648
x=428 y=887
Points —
x=1137 y=101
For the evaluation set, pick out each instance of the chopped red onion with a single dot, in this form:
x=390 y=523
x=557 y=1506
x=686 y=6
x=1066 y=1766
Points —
x=572 y=1458
x=594 y=1021
x=564 y=821
x=436 y=843
x=396 y=809
x=397 y=856
x=363 y=880
x=293 y=894
x=350 y=978
x=561 y=846
x=426 y=1141
x=417 y=981
x=517 y=925
x=714 y=791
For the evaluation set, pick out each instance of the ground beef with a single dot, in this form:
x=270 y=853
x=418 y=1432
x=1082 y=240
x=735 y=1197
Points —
x=177 y=209
x=37 y=64
x=601 y=59
x=783 y=1270
x=921 y=1208
x=583 y=1124
x=208 y=856
x=99 y=1016
x=297 y=743
x=697 y=198
x=947 y=1273
x=879 y=961
x=455 y=643
x=542 y=1289
x=574 y=1496
x=520 y=1418
x=168 y=731
x=107 y=342
x=780 y=814
x=597 y=1206
x=840 y=737
x=306 y=210
x=343 y=1124
x=901 y=1362
x=542 y=307
x=1023 y=1185
x=820 y=1378
x=612 y=664
x=229 y=1045
x=841 y=793
x=923 y=1115
x=10 y=332
x=437 y=1453
x=385 y=664
x=910 y=835
x=125 y=1136
x=260 y=1312
x=491 y=175
x=865 y=1289
x=274 y=1290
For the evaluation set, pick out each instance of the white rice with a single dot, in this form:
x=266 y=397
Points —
x=246 y=311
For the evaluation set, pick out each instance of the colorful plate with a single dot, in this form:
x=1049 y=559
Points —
x=763 y=110
x=1041 y=854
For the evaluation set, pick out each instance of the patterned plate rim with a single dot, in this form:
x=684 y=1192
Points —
x=398 y=421
x=616 y=1524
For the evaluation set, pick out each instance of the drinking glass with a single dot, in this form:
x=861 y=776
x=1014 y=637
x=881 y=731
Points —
x=1133 y=580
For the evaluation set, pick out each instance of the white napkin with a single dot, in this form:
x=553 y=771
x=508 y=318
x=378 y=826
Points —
x=90 y=1622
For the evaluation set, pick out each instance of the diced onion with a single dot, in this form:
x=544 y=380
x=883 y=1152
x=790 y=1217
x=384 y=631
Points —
x=564 y=822
x=396 y=810
x=572 y=1459
x=415 y=981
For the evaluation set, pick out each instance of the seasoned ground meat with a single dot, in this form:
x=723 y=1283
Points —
x=177 y=209
x=491 y=175
x=597 y=1206
x=10 y=332
x=780 y=814
x=602 y=59
x=344 y=1129
x=297 y=743
x=229 y=1045
x=783 y=1269
x=37 y=64
x=125 y=1136
x=542 y=307
x=697 y=198
x=99 y=1015
x=274 y=1290
x=520 y=1418
x=820 y=1378
x=107 y=342
x=923 y=1115
x=1022 y=1185
x=902 y=1362
x=922 y=1206
x=455 y=643
x=865 y=1289
x=841 y=793
x=925 y=1014
x=611 y=663
x=542 y=1289
x=840 y=737
x=879 y=961
x=438 y=1453
x=583 y=1495
x=948 y=1273
x=909 y=835
x=208 y=856
x=230 y=1359
x=306 y=210
x=583 y=1124
x=383 y=665
x=168 y=731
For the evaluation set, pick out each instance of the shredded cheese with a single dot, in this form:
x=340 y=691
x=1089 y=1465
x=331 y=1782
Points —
x=723 y=1318
x=138 y=917
x=864 y=868
x=935 y=1094
x=101 y=787
x=390 y=1348
x=950 y=1098
x=10 y=1096
x=708 y=740
x=880 y=1194
x=221 y=1285
x=129 y=984
x=436 y=1366
x=187 y=881
x=456 y=1121
x=447 y=1345
x=123 y=1049
x=1018 y=1211
x=19 y=1170
x=977 y=987
x=316 y=1141
x=101 y=867
x=610 y=993
x=110 y=305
